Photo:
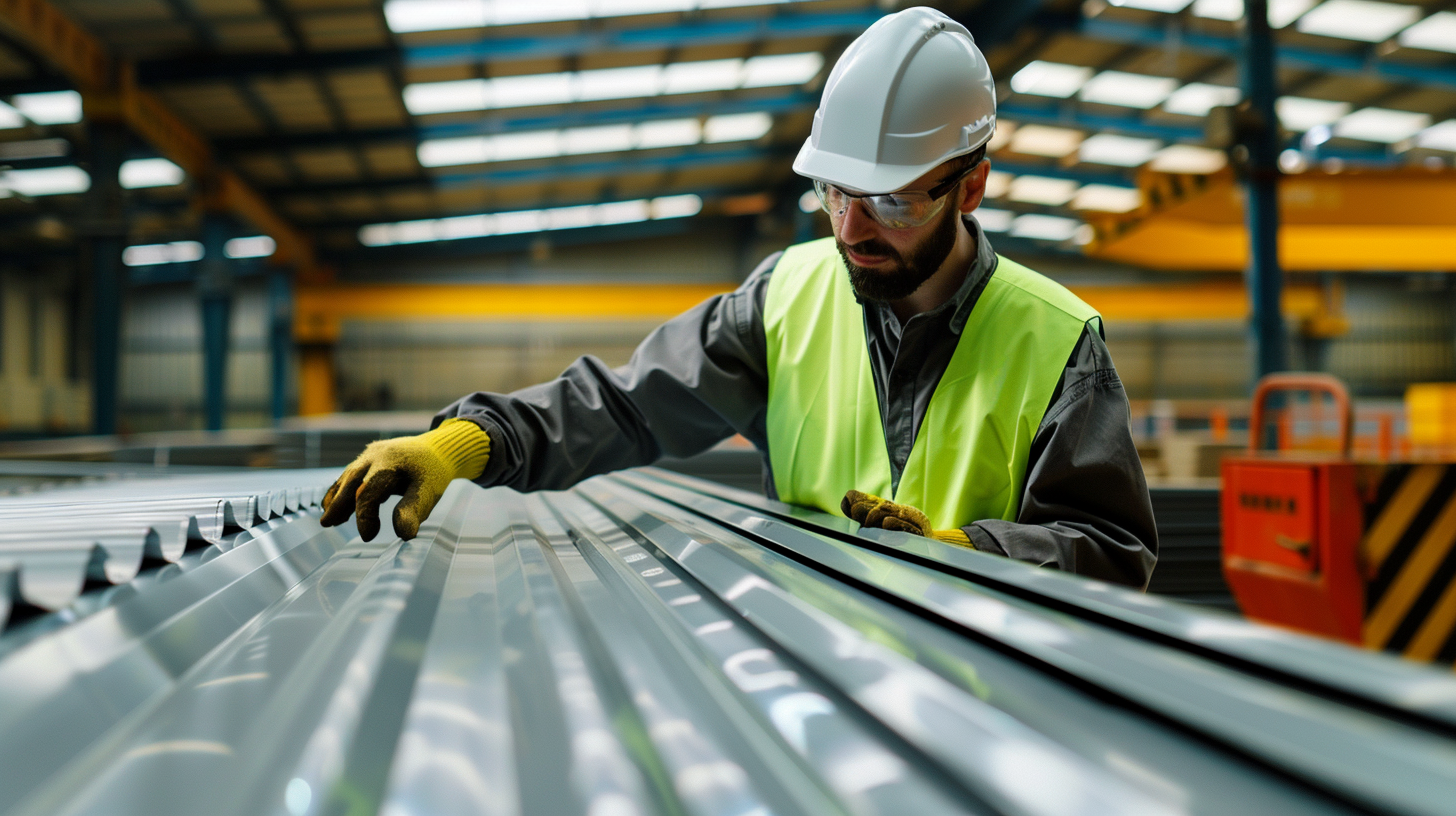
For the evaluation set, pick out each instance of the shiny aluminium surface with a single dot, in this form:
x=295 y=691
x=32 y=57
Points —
x=651 y=643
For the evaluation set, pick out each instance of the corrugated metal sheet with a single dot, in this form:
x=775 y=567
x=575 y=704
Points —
x=650 y=643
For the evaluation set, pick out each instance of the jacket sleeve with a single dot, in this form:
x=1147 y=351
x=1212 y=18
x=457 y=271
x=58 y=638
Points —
x=695 y=380
x=1085 y=508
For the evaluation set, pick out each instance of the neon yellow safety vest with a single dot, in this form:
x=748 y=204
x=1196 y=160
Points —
x=968 y=462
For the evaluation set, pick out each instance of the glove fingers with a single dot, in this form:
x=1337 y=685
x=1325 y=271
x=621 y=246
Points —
x=901 y=525
x=876 y=516
x=339 y=501
x=858 y=505
x=413 y=508
x=380 y=485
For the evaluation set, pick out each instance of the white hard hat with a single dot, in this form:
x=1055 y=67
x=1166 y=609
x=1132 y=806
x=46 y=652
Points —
x=908 y=94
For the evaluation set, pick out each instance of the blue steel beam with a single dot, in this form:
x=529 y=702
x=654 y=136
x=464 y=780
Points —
x=1081 y=173
x=1070 y=116
x=1259 y=78
x=529 y=175
x=490 y=123
x=784 y=25
x=1365 y=63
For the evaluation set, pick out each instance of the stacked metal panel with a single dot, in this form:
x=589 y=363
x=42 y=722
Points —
x=651 y=643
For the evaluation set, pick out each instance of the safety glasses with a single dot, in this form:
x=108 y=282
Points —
x=899 y=210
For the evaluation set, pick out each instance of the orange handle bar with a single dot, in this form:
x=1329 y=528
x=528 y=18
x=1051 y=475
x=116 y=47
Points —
x=1303 y=381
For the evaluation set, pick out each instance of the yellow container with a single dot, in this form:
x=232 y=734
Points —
x=1430 y=410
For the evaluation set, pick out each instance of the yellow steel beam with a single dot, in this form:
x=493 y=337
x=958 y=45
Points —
x=1397 y=220
x=110 y=89
x=318 y=310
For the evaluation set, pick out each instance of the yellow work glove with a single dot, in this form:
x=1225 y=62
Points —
x=873 y=511
x=417 y=468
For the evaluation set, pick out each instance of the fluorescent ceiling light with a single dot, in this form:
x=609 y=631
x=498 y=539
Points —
x=1122 y=151
x=1053 y=192
x=10 y=117
x=678 y=206
x=1050 y=79
x=542 y=144
x=1040 y=140
x=1166 y=6
x=668 y=133
x=1189 y=159
x=1439 y=137
x=997 y=183
x=404 y=16
x=1363 y=20
x=46 y=181
x=1437 y=33
x=809 y=202
x=781 y=69
x=1044 y=227
x=1127 y=90
x=523 y=221
x=1198 y=98
x=52 y=108
x=736 y=127
x=1299 y=114
x=1381 y=125
x=138 y=173
x=610 y=83
x=153 y=254
x=992 y=220
x=250 y=246
x=1107 y=198
x=1281 y=12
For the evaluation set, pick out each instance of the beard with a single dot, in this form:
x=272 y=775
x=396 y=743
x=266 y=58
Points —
x=906 y=272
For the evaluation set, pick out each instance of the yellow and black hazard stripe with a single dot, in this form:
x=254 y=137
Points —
x=1409 y=549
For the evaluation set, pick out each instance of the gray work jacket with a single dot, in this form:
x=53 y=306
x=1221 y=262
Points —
x=703 y=376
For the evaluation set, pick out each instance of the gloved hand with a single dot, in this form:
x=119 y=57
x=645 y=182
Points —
x=418 y=468
x=873 y=511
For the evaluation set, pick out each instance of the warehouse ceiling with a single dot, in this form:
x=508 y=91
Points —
x=368 y=123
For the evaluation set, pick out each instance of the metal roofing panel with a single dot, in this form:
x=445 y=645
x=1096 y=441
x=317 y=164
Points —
x=651 y=643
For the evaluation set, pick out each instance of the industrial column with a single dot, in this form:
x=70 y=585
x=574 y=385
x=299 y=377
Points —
x=105 y=231
x=280 y=338
x=1261 y=140
x=215 y=291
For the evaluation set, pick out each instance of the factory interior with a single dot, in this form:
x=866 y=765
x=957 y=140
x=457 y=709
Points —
x=415 y=407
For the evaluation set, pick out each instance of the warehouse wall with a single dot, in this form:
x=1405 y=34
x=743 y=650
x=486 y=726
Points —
x=41 y=389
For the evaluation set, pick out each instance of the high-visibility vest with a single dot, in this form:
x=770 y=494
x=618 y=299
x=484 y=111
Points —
x=968 y=462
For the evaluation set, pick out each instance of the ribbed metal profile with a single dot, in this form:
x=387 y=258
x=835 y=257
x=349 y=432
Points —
x=649 y=643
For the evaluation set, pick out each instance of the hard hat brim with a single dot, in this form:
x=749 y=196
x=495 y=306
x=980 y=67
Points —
x=858 y=175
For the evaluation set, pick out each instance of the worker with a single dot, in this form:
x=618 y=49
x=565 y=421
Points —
x=899 y=372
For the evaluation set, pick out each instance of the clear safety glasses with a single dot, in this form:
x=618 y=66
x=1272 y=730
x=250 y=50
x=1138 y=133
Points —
x=899 y=210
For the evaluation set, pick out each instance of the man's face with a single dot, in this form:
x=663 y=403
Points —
x=890 y=264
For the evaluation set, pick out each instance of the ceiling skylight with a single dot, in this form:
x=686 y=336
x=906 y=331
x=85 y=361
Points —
x=1040 y=140
x=993 y=220
x=1381 y=125
x=997 y=184
x=152 y=254
x=521 y=221
x=1127 y=90
x=50 y=108
x=1281 y=12
x=249 y=246
x=1053 y=192
x=611 y=83
x=1122 y=151
x=1299 y=114
x=1044 y=227
x=1166 y=6
x=1439 y=137
x=1364 y=20
x=542 y=144
x=137 y=173
x=1198 y=98
x=1189 y=159
x=10 y=117
x=44 y=181
x=1050 y=79
x=1107 y=198
x=1437 y=33
x=436 y=15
